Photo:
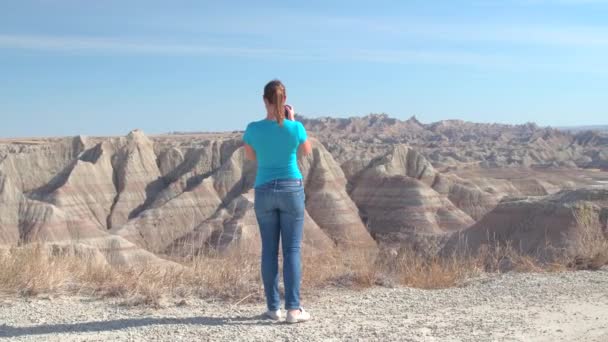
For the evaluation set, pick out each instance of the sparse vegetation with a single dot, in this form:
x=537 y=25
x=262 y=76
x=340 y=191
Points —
x=593 y=240
x=33 y=270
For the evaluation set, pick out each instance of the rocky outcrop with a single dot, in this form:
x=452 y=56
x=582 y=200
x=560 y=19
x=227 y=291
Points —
x=196 y=217
x=400 y=181
x=33 y=164
x=231 y=227
x=569 y=222
x=456 y=143
x=474 y=198
x=179 y=211
x=10 y=200
x=405 y=161
x=396 y=199
x=328 y=203
x=137 y=178
x=399 y=204
x=155 y=229
x=185 y=167
x=87 y=192
x=24 y=220
x=235 y=227
x=331 y=217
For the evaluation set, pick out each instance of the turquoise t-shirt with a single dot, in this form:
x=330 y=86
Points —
x=276 y=148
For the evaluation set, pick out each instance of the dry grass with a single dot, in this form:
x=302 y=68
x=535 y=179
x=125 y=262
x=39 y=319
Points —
x=592 y=239
x=33 y=270
x=431 y=273
x=389 y=267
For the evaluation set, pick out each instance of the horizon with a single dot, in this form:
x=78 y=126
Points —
x=98 y=69
x=570 y=129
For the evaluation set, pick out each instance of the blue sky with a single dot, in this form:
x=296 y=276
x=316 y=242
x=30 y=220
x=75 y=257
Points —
x=105 y=67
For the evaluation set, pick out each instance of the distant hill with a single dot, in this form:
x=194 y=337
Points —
x=600 y=128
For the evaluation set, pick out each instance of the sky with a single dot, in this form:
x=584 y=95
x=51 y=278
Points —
x=90 y=67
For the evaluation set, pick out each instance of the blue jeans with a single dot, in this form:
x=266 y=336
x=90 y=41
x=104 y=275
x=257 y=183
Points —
x=279 y=208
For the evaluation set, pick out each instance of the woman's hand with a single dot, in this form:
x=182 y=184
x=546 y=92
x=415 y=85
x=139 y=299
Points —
x=290 y=112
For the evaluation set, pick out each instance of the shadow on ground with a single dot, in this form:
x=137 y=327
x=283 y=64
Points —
x=120 y=324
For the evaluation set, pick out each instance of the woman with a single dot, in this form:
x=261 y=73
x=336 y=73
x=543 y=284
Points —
x=279 y=198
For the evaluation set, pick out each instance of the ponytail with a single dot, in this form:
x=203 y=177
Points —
x=275 y=93
x=280 y=108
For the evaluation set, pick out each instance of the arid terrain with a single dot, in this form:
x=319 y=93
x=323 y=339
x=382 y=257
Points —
x=439 y=191
x=512 y=307
x=370 y=179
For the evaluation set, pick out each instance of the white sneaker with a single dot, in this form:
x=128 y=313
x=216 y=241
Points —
x=301 y=316
x=274 y=315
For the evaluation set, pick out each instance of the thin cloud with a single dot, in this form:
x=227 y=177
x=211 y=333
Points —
x=433 y=30
x=514 y=33
x=116 y=46
x=112 y=46
x=108 y=45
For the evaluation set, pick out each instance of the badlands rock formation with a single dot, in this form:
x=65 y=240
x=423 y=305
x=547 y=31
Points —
x=455 y=143
x=328 y=203
x=396 y=197
x=137 y=198
x=133 y=196
x=566 y=223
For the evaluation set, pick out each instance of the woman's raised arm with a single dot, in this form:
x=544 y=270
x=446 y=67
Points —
x=250 y=153
x=305 y=148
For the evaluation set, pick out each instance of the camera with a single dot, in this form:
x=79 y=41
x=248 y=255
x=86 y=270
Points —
x=287 y=108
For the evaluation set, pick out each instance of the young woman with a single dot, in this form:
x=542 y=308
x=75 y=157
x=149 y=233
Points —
x=279 y=198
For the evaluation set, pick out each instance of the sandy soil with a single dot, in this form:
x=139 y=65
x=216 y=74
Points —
x=512 y=307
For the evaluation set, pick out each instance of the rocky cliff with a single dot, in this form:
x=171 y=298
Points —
x=368 y=179
x=568 y=223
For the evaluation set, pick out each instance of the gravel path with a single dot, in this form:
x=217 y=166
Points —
x=512 y=307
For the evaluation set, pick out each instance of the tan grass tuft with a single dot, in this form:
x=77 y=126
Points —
x=235 y=276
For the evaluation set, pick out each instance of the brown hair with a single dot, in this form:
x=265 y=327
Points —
x=275 y=94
